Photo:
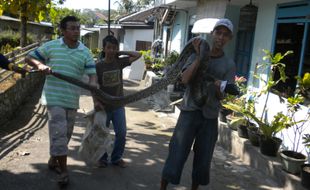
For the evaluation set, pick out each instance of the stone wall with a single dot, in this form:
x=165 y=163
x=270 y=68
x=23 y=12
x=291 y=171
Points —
x=11 y=99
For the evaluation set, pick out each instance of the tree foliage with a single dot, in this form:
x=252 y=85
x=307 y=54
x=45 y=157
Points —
x=87 y=17
x=129 y=6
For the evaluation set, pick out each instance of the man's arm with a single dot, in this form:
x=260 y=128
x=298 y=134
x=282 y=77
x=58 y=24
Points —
x=37 y=64
x=191 y=70
x=93 y=82
x=133 y=55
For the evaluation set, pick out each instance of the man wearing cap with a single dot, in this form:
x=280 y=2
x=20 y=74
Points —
x=198 y=123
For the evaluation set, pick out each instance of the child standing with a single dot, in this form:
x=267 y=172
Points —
x=110 y=79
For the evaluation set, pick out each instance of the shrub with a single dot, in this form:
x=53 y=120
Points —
x=12 y=38
x=171 y=58
x=96 y=52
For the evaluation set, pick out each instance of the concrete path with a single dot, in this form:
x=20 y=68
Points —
x=24 y=154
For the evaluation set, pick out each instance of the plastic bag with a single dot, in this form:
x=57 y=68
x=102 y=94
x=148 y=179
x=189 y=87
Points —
x=96 y=140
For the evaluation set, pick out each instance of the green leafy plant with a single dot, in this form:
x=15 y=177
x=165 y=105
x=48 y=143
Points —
x=303 y=87
x=96 y=52
x=158 y=65
x=147 y=57
x=306 y=140
x=279 y=121
x=239 y=105
x=300 y=125
x=171 y=58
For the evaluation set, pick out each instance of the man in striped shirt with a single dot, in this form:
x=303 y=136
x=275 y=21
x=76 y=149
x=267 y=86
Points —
x=67 y=56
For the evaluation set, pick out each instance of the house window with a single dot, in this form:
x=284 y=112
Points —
x=293 y=34
x=143 y=45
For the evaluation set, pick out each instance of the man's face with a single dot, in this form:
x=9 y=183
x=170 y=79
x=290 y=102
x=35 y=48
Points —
x=221 y=35
x=72 y=31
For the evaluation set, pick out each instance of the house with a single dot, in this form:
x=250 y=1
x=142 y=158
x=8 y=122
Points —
x=278 y=26
x=135 y=32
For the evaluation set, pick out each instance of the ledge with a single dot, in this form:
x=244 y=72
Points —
x=250 y=155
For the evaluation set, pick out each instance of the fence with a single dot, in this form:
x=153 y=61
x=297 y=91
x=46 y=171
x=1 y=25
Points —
x=17 y=57
x=12 y=98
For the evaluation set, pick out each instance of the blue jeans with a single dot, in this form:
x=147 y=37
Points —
x=191 y=126
x=118 y=119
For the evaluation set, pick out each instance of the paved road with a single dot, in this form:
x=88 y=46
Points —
x=24 y=154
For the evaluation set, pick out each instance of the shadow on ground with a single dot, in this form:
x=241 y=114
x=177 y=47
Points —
x=146 y=150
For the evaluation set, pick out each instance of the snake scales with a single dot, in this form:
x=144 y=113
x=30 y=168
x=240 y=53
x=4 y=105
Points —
x=170 y=77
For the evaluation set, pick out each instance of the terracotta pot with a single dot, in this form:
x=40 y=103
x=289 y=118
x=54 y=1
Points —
x=291 y=161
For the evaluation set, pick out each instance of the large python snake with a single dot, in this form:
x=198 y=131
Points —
x=169 y=78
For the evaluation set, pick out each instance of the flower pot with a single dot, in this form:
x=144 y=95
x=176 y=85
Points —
x=242 y=131
x=305 y=175
x=269 y=146
x=291 y=161
x=253 y=135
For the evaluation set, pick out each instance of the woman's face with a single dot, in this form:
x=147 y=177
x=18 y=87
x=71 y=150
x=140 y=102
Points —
x=110 y=49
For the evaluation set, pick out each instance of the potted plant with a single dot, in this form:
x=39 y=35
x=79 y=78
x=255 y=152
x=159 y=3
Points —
x=148 y=59
x=254 y=134
x=235 y=118
x=269 y=143
x=306 y=142
x=292 y=158
x=239 y=119
x=304 y=87
x=305 y=168
x=240 y=124
x=241 y=106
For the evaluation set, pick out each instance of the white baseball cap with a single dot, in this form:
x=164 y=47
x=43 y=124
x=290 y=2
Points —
x=224 y=22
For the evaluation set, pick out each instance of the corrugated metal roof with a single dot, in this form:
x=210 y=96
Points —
x=140 y=17
x=30 y=22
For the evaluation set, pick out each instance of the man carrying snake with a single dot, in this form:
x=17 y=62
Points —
x=66 y=56
x=197 y=122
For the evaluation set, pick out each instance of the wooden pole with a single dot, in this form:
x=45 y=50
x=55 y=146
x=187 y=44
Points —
x=109 y=17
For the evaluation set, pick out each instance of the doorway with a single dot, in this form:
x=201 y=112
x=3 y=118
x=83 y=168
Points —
x=292 y=33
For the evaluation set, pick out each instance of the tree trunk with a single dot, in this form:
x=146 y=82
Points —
x=23 y=25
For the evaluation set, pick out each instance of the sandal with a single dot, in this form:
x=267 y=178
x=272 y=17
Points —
x=121 y=163
x=63 y=179
x=53 y=165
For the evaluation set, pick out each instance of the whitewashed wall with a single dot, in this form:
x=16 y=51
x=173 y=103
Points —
x=136 y=70
x=179 y=33
x=132 y=35
x=263 y=40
